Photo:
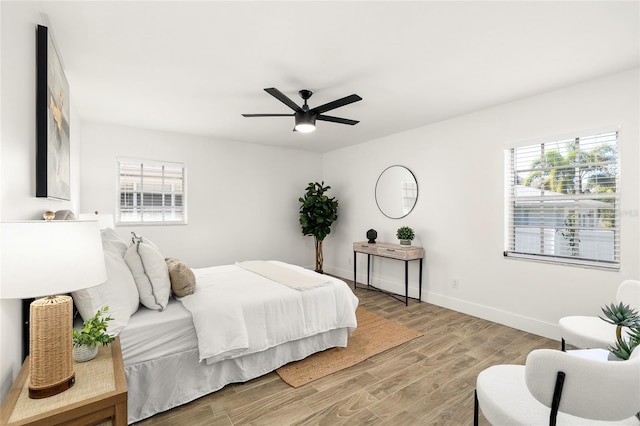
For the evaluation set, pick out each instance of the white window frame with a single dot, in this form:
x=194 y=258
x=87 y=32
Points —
x=172 y=206
x=573 y=234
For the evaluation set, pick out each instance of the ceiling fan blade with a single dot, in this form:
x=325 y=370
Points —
x=336 y=119
x=336 y=104
x=282 y=98
x=268 y=115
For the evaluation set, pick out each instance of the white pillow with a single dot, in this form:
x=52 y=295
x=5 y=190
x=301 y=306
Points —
x=119 y=293
x=150 y=273
x=110 y=236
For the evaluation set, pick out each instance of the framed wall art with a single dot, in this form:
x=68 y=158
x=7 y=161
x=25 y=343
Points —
x=53 y=153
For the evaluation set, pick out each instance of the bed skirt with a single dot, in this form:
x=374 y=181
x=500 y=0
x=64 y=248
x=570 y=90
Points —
x=184 y=379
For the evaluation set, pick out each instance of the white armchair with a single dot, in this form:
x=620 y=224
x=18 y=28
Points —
x=593 y=332
x=555 y=387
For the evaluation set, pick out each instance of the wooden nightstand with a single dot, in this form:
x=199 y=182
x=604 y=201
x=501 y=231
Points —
x=99 y=395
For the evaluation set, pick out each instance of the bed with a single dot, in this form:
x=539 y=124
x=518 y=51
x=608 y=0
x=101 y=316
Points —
x=239 y=322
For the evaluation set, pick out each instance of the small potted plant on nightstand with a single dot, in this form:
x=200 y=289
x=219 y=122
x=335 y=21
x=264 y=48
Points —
x=94 y=331
x=405 y=235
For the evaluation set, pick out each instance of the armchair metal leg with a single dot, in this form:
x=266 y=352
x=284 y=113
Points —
x=563 y=345
x=557 y=393
x=475 y=408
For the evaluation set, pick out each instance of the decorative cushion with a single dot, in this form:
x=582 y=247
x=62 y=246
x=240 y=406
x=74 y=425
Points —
x=119 y=292
x=150 y=273
x=183 y=280
x=116 y=241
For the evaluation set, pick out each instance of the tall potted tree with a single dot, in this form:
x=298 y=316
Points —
x=317 y=213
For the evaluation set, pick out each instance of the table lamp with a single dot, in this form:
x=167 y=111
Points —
x=47 y=258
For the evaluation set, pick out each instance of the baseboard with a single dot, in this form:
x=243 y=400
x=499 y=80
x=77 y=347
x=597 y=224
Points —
x=510 y=319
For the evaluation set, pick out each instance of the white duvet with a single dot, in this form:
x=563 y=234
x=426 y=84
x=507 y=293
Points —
x=237 y=312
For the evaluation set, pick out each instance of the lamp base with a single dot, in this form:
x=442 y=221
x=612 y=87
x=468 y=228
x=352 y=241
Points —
x=50 y=346
x=47 y=391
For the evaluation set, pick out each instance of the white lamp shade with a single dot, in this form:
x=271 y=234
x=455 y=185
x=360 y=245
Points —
x=43 y=258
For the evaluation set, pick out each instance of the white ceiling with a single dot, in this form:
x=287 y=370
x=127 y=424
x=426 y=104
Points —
x=194 y=67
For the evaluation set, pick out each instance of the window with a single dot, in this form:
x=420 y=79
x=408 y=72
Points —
x=151 y=192
x=563 y=201
x=409 y=195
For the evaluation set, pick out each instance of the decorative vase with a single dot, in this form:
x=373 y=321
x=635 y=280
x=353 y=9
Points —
x=84 y=353
x=372 y=235
x=405 y=242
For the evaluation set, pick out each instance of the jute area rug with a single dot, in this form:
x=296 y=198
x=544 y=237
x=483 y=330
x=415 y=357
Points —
x=375 y=334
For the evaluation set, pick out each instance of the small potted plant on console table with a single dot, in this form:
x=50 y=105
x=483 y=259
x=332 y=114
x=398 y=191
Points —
x=405 y=235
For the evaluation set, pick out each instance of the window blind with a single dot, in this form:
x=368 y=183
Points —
x=563 y=201
x=151 y=192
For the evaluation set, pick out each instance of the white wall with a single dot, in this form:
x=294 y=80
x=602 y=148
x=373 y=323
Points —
x=18 y=156
x=459 y=213
x=242 y=199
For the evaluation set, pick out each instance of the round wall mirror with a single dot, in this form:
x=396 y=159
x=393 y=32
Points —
x=396 y=192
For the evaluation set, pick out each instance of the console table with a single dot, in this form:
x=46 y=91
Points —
x=391 y=251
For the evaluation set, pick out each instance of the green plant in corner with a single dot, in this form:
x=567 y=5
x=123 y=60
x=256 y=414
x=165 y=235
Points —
x=317 y=214
x=94 y=330
x=621 y=316
x=405 y=233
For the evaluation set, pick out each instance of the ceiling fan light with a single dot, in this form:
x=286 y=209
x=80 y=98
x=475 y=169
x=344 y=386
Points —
x=305 y=127
x=305 y=122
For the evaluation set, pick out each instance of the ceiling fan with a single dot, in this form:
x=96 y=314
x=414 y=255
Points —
x=305 y=118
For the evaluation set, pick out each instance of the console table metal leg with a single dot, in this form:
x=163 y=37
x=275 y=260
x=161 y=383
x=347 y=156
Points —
x=368 y=268
x=420 y=283
x=355 y=258
x=406 y=283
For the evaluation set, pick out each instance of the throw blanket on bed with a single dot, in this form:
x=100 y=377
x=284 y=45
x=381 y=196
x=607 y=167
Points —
x=283 y=275
x=237 y=312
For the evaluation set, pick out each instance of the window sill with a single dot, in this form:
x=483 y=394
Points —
x=125 y=224
x=562 y=261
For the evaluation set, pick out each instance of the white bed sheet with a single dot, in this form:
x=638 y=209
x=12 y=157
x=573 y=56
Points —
x=154 y=334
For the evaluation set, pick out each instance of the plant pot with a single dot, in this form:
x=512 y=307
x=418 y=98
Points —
x=84 y=353
x=405 y=242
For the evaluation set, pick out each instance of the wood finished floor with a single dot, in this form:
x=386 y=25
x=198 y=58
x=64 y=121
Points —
x=427 y=381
